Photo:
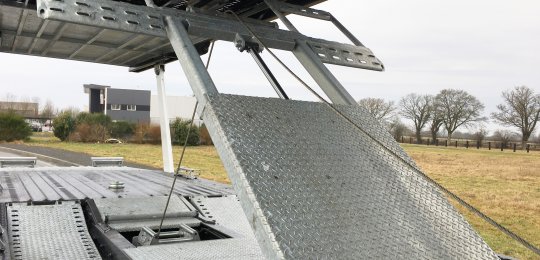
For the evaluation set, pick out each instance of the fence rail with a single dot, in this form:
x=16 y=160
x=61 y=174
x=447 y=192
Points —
x=473 y=144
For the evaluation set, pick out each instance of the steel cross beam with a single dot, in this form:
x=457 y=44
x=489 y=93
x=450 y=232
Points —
x=315 y=67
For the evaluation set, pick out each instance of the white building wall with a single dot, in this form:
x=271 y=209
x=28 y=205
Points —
x=177 y=106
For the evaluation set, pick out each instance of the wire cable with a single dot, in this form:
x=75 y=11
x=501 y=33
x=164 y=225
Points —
x=183 y=150
x=414 y=168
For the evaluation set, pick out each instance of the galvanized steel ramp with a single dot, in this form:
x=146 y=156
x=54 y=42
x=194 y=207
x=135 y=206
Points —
x=49 y=232
x=314 y=187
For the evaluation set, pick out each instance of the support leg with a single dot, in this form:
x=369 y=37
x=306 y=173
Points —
x=166 y=144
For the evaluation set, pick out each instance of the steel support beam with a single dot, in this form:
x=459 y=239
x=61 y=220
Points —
x=166 y=143
x=318 y=71
x=268 y=74
x=198 y=77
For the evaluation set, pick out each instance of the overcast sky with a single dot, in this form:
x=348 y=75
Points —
x=483 y=47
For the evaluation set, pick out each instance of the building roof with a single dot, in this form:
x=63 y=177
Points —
x=87 y=87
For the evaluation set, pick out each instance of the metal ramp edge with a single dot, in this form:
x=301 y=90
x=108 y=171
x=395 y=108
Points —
x=49 y=232
x=313 y=187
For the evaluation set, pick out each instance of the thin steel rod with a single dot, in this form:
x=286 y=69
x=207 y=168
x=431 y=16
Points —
x=268 y=74
x=183 y=149
x=177 y=170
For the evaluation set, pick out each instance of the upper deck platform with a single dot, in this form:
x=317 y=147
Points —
x=23 y=32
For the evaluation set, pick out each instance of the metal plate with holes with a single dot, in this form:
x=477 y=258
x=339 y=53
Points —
x=49 y=232
x=228 y=214
x=314 y=187
x=345 y=55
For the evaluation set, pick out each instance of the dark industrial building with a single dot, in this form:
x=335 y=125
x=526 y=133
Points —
x=120 y=104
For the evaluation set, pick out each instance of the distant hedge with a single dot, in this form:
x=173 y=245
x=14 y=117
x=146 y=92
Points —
x=13 y=127
x=180 y=129
x=64 y=125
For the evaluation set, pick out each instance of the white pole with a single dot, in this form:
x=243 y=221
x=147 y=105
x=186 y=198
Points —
x=166 y=144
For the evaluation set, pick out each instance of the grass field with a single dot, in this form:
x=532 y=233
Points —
x=504 y=185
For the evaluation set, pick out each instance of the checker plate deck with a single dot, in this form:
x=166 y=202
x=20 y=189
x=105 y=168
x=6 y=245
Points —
x=49 y=232
x=315 y=187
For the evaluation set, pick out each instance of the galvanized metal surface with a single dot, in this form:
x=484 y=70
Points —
x=29 y=162
x=49 y=232
x=148 y=207
x=73 y=183
x=313 y=186
x=132 y=214
x=107 y=161
x=117 y=33
x=227 y=213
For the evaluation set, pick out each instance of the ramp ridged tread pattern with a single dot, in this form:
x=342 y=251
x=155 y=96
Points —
x=49 y=232
x=314 y=187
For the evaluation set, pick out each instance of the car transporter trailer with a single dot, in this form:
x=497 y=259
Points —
x=312 y=180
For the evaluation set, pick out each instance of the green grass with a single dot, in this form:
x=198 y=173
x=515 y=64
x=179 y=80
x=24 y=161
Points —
x=504 y=185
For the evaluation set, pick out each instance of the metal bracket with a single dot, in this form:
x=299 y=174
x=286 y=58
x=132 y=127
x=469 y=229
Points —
x=357 y=55
x=107 y=161
x=148 y=237
x=189 y=173
x=18 y=162
x=250 y=44
x=345 y=55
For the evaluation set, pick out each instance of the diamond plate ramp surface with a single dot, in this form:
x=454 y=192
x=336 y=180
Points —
x=314 y=187
x=49 y=232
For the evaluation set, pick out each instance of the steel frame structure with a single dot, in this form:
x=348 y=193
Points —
x=165 y=34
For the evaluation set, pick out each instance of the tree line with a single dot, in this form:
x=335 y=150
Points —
x=452 y=109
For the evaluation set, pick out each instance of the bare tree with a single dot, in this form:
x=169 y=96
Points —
x=417 y=108
x=397 y=129
x=48 y=111
x=379 y=108
x=521 y=109
x=503 y=136
x=436 y=121
x=458 y=108
x=480 y=135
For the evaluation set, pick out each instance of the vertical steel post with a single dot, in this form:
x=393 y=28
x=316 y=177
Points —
x=166 y=144
x=315 y=67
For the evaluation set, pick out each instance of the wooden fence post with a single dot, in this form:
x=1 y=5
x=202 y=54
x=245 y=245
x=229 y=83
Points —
x=528 y=148
x=514 y=147
x=456 y=144
x=467 y=144
x=489 y=146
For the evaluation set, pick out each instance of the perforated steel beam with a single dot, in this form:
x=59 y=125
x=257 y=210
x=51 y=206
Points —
x=312 y=63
